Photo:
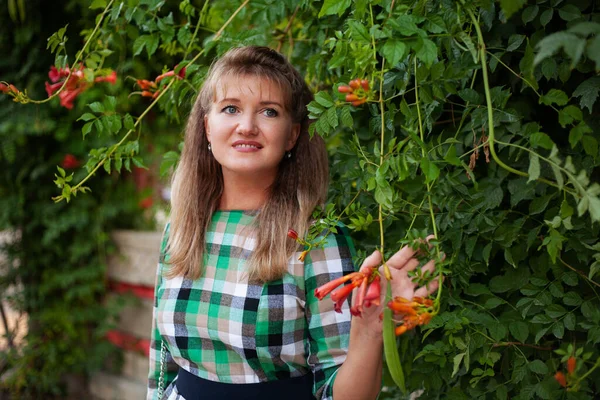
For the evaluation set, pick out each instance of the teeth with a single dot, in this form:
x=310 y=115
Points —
x=246 y=146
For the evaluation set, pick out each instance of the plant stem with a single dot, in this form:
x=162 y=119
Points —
x=578 y=272
x=428 y=184
x=488 y=96
x=551 y=183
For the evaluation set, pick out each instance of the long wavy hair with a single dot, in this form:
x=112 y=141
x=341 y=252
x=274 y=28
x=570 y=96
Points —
x=300 y=185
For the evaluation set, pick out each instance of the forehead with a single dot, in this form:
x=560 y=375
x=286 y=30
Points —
x=250 y=87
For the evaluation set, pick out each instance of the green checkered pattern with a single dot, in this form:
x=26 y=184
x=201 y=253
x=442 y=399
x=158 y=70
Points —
x=222 y=328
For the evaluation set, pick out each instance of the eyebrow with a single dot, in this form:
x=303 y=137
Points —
x=236 y=100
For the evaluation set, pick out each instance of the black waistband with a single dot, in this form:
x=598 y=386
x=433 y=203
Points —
x=193 y=387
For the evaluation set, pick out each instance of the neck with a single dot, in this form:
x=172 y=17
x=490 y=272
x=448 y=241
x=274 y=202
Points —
x=244 y=193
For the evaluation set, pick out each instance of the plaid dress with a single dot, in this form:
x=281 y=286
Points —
x=224 y=329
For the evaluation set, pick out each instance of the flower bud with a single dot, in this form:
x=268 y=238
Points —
x=561 y=379
x=571 y=364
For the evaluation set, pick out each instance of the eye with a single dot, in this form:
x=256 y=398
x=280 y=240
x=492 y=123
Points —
x=229 y=109
x=271 y=112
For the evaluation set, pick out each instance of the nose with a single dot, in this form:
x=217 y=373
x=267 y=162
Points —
x=247 y=124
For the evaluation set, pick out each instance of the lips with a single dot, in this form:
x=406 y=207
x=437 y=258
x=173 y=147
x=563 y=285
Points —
x=246 y=144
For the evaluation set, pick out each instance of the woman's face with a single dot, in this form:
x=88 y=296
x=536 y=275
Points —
x=249 y=128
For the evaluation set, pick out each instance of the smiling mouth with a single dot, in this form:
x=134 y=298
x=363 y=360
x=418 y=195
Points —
x=246 y=146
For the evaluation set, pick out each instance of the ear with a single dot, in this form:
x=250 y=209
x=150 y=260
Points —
x=206 y=128
x=293 y=137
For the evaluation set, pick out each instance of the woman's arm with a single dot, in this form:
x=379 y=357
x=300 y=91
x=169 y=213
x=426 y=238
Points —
x=168 y=367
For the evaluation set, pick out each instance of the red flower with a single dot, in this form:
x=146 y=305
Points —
x=340 y=295
x=325 y=289
x=292 y=234
x=68 y=96
x=4 y=88
x=571 y=364
x=112 y=78
x=51 y=88
x=373 y=295
x=69 y=162
x=165 y=75
x=146 y=202
x=561 y=379
x=56 y=74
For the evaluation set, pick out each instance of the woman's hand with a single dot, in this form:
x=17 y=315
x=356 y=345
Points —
x=400 y=264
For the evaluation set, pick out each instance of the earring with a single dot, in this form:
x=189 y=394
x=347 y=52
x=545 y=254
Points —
x=288 y=154
x=209 y=148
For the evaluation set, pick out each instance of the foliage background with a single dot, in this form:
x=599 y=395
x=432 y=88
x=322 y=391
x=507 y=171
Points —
x=521 y=230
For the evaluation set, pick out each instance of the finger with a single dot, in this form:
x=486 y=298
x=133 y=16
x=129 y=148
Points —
x=429 y=267
x=429 y=289
x=401 y=257
x=411 y=265
x=374 y=260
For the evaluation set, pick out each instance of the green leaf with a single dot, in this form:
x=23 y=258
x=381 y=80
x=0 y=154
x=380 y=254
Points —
x=457 y=360
x=534 y=167
x=390 y=349
x=150 y=42
x=541 y=319
x=469 y=95
x=553 y=243
x=546 y=16
x=570 y=321
x=554 y=96
x=590 y=145
x=593 y=50
x=555 y=311
x=572 y=299
x=346 y=117
x=519 y=330
x=427 y=51
x=538 y=367
x=97 y=107
x=594 y=269
x=588 y=91
x=577 y=132
x=128 y=122
x=551 y=44
x=332 y=118
x=331 y=7
x=169 y=160
x=509 y=7
x=98 y=4
x=86 y=128
x=137 y=161
x=86 y=117
x=530 y=13
x=585 y=28
x=569 y=12
x=569 y=114
x=430 y=170
x=540 y=333
x=393 y=50
x=359 y=31
x=514 y=42
x=324 y=99
x=558 y=330
x=540 y=139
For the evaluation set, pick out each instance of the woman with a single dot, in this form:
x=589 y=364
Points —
x=235 y=313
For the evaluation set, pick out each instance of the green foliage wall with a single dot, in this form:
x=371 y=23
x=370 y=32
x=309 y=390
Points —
x=481 y=126
x=55 y=271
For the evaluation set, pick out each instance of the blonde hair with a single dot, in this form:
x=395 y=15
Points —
x=300 y=185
